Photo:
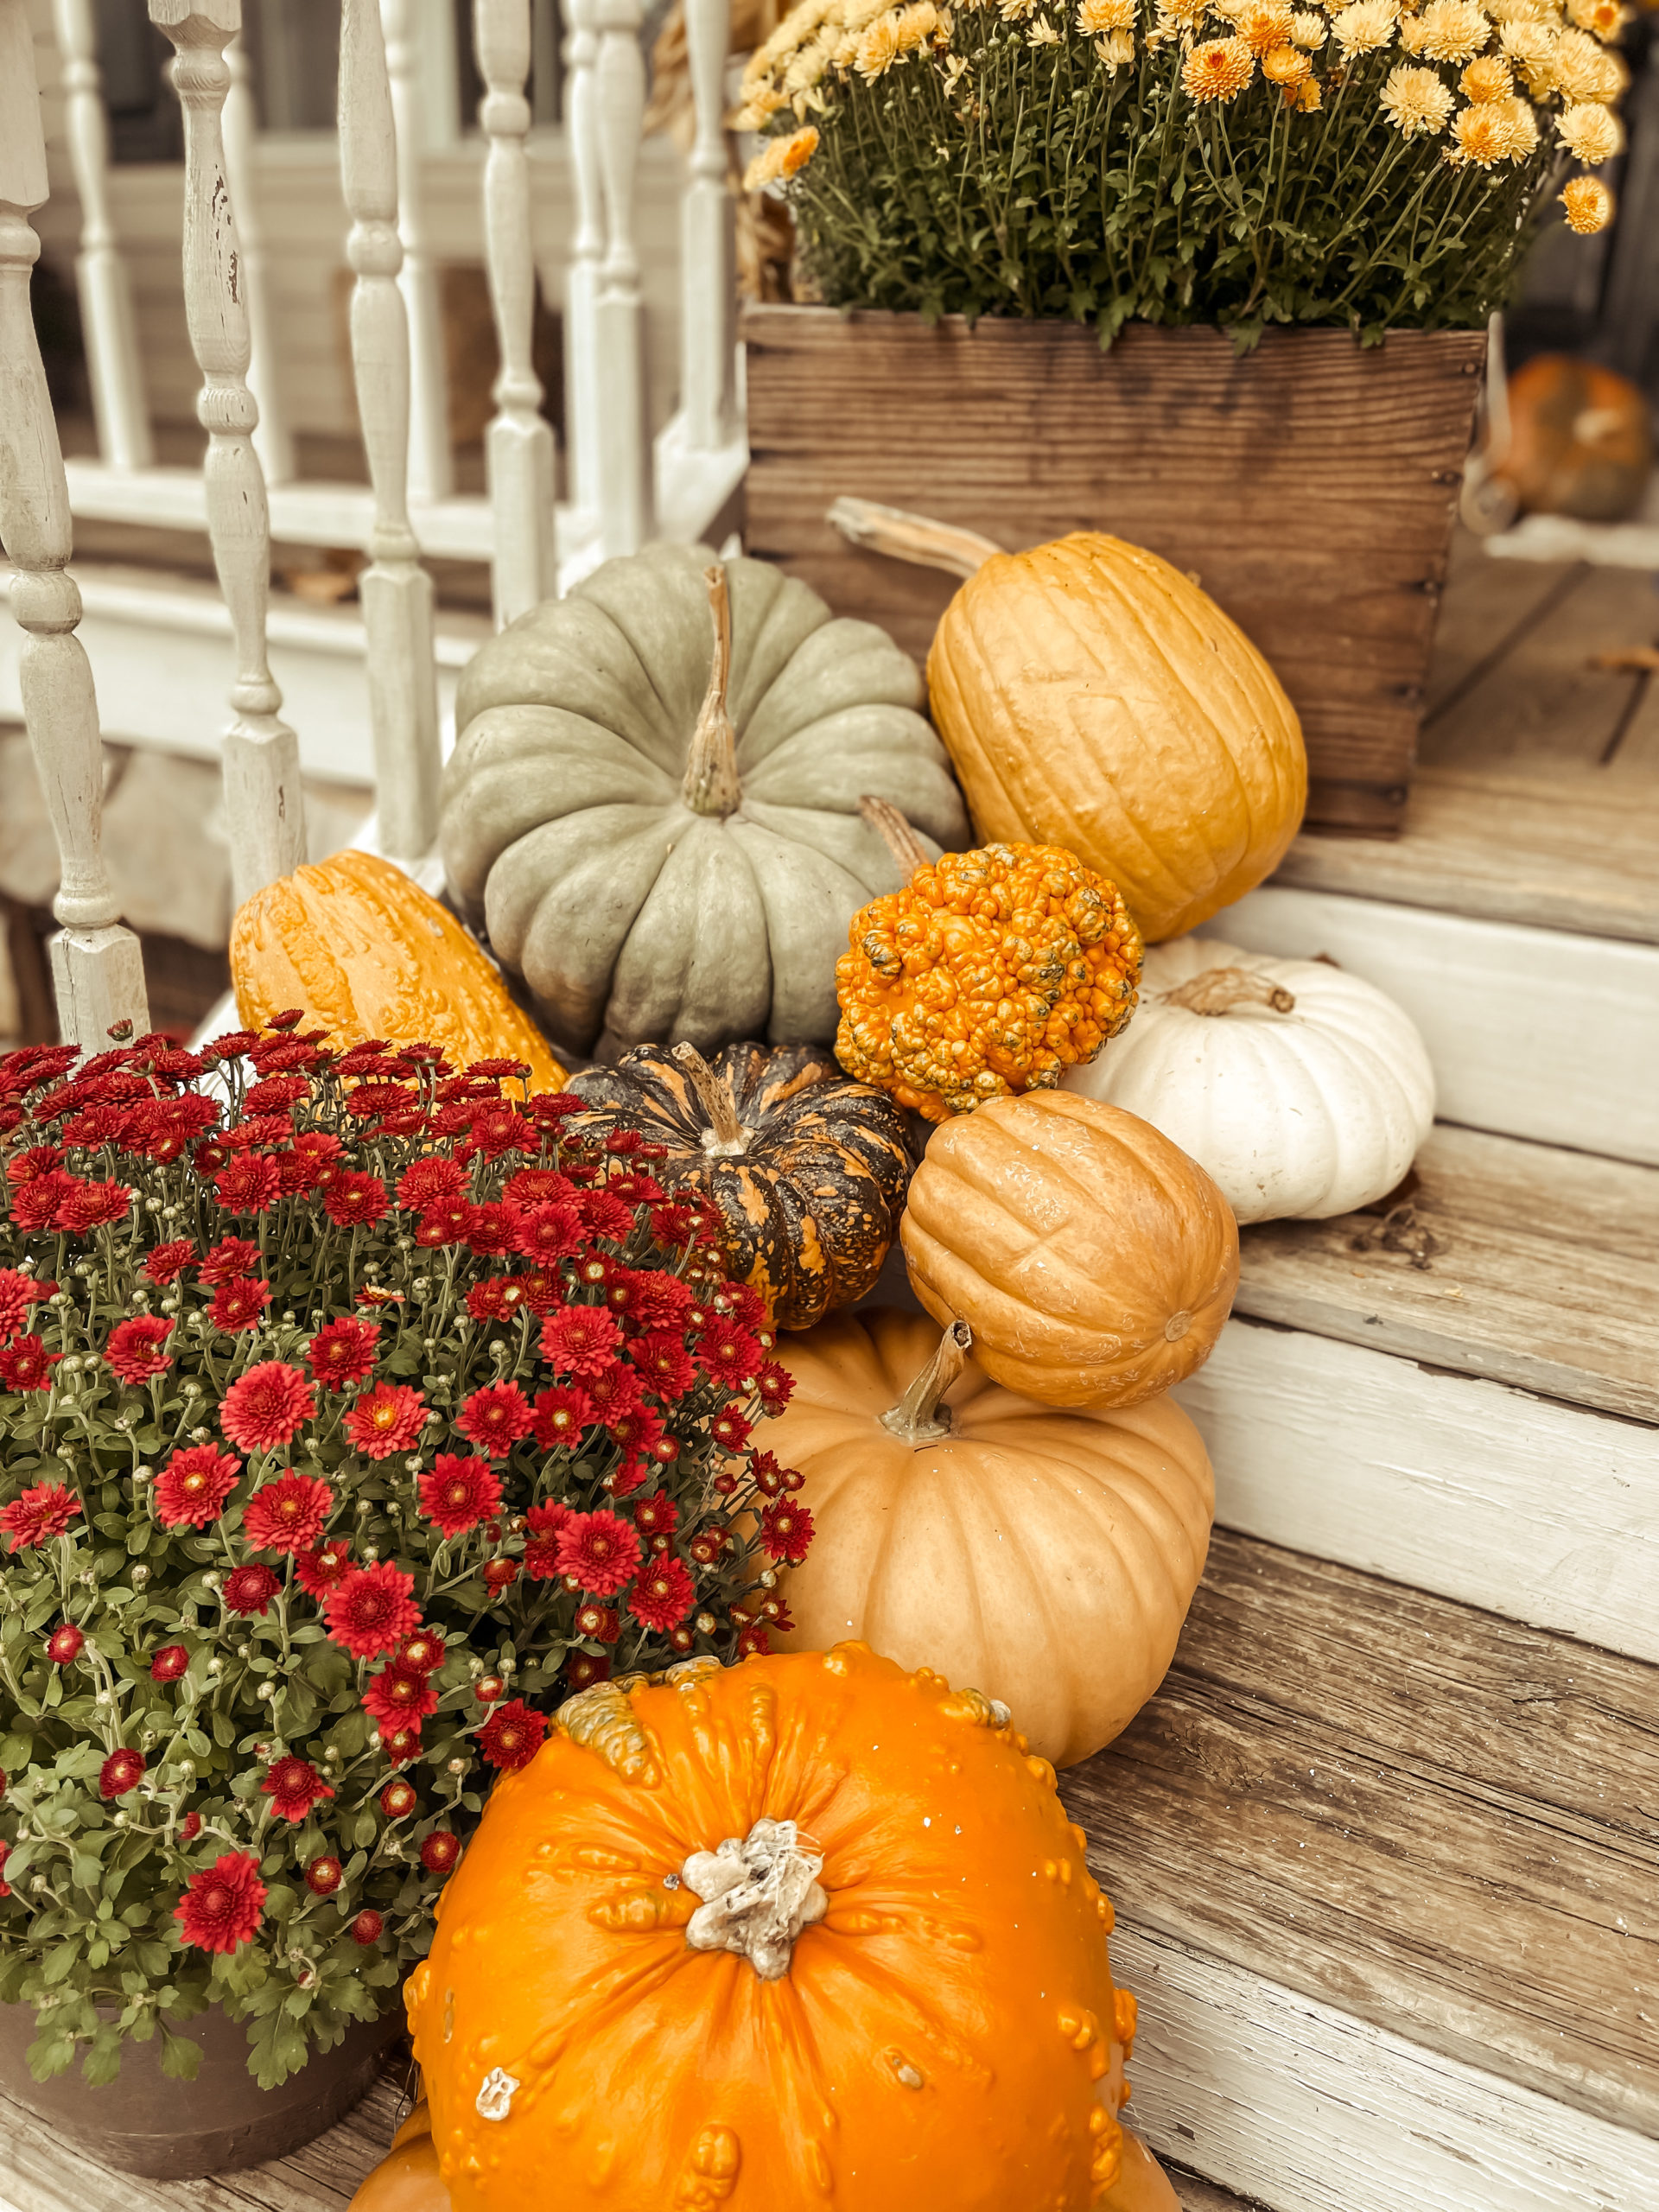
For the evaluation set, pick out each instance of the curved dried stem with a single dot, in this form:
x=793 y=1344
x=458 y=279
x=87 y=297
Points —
x=711 y=785
x=918 y=1418
x=1218 y=991
x=725 y=1133
x=916 y=538
x=895 y=832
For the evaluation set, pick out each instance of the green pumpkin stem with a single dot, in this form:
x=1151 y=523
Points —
x=711 y=785
x=1218 y=991
x=714 y=1096
x=917 y=1417
x=895 y=833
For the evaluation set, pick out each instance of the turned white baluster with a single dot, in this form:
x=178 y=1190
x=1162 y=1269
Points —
x=262 y=801
x=97 y=968
x=113 y=363
x=587 y=253
x=431 y=474
x=396 y=591
x=624 y=444
x=271 y=438
x=518 y=448
x=709 y=251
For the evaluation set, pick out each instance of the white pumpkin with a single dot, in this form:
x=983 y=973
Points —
x=1301 y=1089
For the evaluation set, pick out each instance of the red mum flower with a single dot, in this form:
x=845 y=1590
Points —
x=396 y=1698
x=493 y=1229
x=460 y=1492
x=223 y=1903
x=248 y=1184
x=190 y=1827
x=542 y=1552
x=497 y=1299
x=33 y=1205
x=547 y=1231
x=754 y=1640
x=538 y=1186
x=192 y=1488
x=730 y=1429
x=238 y=1304
x=63 y=1644
x=230 y=1258
x=580 y=1340
x=18 y=1292
x=318 y=1571
x=423 y=1654
x=353 y=1199
x=367 y=1927
x=39 y=1515
x=727 y=1350
x=582 y=1669
x=616 y=1392
x=324 y=1875
x=785 y=1531
x=604 y=1216
x=428 y=1182
x=499 y=1574
x=602 y=1623
x=165 y=1263
x=276 y=1094
x=288 y=1515
x=662 y=1595
x=294 y=1786
x=310 y=1160
x=373 y=1609
x=28 y=1365
x=136 y=1349
x=661 y=1356
x=267 y=1406
x=120 y=1772
x=776 y=1386
x=170 y=1663
x=343 y=1352
x=444 y=1224
x=601 y=1549
x=658 y=1515
x=638 y=1433
x=250 y=1589
x=398 y=1800
x=35 y=1161
x=495 y=1418
x=661 y=1302
x=91 y=1205
x=511 y=1735
x=560 y=1416
x=387 y=1418
x=440 y=1851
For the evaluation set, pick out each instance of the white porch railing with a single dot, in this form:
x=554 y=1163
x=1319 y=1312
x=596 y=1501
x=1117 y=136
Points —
x=622 y=485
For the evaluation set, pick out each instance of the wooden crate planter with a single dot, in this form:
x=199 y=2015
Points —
x=1311 y=485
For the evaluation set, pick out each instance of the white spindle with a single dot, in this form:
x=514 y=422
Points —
x=263 y=799
x=272 y=440
x=97 y=968
x=709 y=252
x=396 y=591
x=106 y=294
x=587 y=253
x=431 y=475
x=519 y=445
x=624 y=442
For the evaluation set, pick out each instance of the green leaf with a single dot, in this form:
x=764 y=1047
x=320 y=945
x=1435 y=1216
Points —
x=181 y=2058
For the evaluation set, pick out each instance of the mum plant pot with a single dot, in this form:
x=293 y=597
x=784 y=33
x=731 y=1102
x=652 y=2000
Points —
x=1311 y=485
x=145 y=2123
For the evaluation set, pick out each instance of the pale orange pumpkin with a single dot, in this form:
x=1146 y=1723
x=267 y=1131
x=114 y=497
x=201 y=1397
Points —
x=1094 y=1261
x=766 y=1937
x=1049 y=1556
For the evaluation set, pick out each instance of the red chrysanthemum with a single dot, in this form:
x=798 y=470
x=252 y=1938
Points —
x=353 y=1199
x=785 y=1531
x=662 y=1595
x=538 y=1186
x=549 y=1231
x=248 y=1185
x=34 y=1161
x=661 y=1356
x=222 y=1904
x=776 y=1386
x=657 y=1516
x=191 y=1490
x=343 y=1352
x=616 y=1391
x=428 y=1183
x=310 y=1160
x=137 y=1348
x=497 y=1299
x=493 y=1229
x=167 y=1664
x=440 y=1850
x=423 y=1654
x=275 y=1094
x=495 y=1417
x=729 y=1428
x=545 y=1523
x=600 y=1548
x=5 y=1853
x=580 y=1340
x=444 y=1224
x=165 y=1263
x=43 y=1512
x=27 y=1364
x=511 y=1735
x=560 y=1416
x=368 y=1928
x=294 y=1786
x=267 y=1406
x=373 y=1609
x=661 y=1302
x=728 y=1349
x=602 y=1623
x=398 y=1800
x=18 y=1292
x=460 y=1492
x=238 y=1304
x=318 y=1571
x=288 y=1515
x=324 y=1875
x=398 y=1698
x=250 y=1589
x=582 y=1669
x=388 y=1418
x=92 y=1205
x=120 y=1772
x=64 y=1643
x=228 y=1259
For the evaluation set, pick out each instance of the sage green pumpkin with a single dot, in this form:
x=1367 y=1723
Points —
x=652 y=807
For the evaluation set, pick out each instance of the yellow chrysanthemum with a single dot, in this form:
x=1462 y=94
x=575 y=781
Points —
x=915 y=23
x=1263 y=24
x=1523 y=125
x=1097 y=18
x=1183 y=15
x=1488 y=79
x=1365 y=26
x=1285 y=66
x=1309 y=96
x=764 y=100
x=1014 y=11
x=1582 y=70
x=1452 y=30
x=1218 y=70
x=1042 y=32
x=1531 y=47
x=1483 y=134
x=1115 y=51
x=878 y=48
x=781 y=157
x=808 y=65
x=1309 y=29
x=1589 y=205
x=1416 y=101
x=1590 y=131
x=1605 y=18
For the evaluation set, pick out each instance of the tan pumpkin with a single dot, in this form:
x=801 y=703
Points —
x=365 y=952
x=1094 y=1261
x=1580 y=440
x=1048 y=1556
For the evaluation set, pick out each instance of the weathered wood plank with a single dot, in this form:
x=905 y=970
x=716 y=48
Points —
x=1431 y=1819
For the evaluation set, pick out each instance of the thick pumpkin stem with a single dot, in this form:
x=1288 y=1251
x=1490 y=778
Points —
x=1218 y=991
x=725 y=1134
x=906 y=536
x=711 y=785
x=757 y=1892
x=895 y=832
x=917 y=1417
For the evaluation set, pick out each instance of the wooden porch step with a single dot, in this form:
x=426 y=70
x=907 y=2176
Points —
x=1386 y=1876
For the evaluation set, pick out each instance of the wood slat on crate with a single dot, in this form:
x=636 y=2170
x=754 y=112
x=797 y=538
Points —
x=1309 y=485
x=1425 y=1817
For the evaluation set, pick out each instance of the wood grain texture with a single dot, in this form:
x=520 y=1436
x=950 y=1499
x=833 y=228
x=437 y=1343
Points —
x=1026 y=430
x=1430 y=1818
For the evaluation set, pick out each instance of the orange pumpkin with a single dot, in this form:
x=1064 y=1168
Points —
x=1048 y=1555
x=1093 y=1261
x=1580 y=440
x=766 y=1937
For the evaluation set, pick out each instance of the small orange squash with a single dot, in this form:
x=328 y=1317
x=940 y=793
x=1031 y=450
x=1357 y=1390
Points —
x=1580 y=440
x=765 y=1937
x=1093 y=1261
x=367 y=953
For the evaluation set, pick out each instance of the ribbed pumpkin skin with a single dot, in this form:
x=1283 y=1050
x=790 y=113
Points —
x=810 y=1207
x=367 y=953
x=658 y=2078
x=1090 y=696
x=1049 y=1557
x=1093 y=1261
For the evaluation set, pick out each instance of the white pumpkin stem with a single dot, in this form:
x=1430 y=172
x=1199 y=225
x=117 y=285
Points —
x=725 y=1134
x=758 y=1893
x=916 y=538
x=917 y=1419
x=895 y=833
x=711 y=785
x=1218 y=991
